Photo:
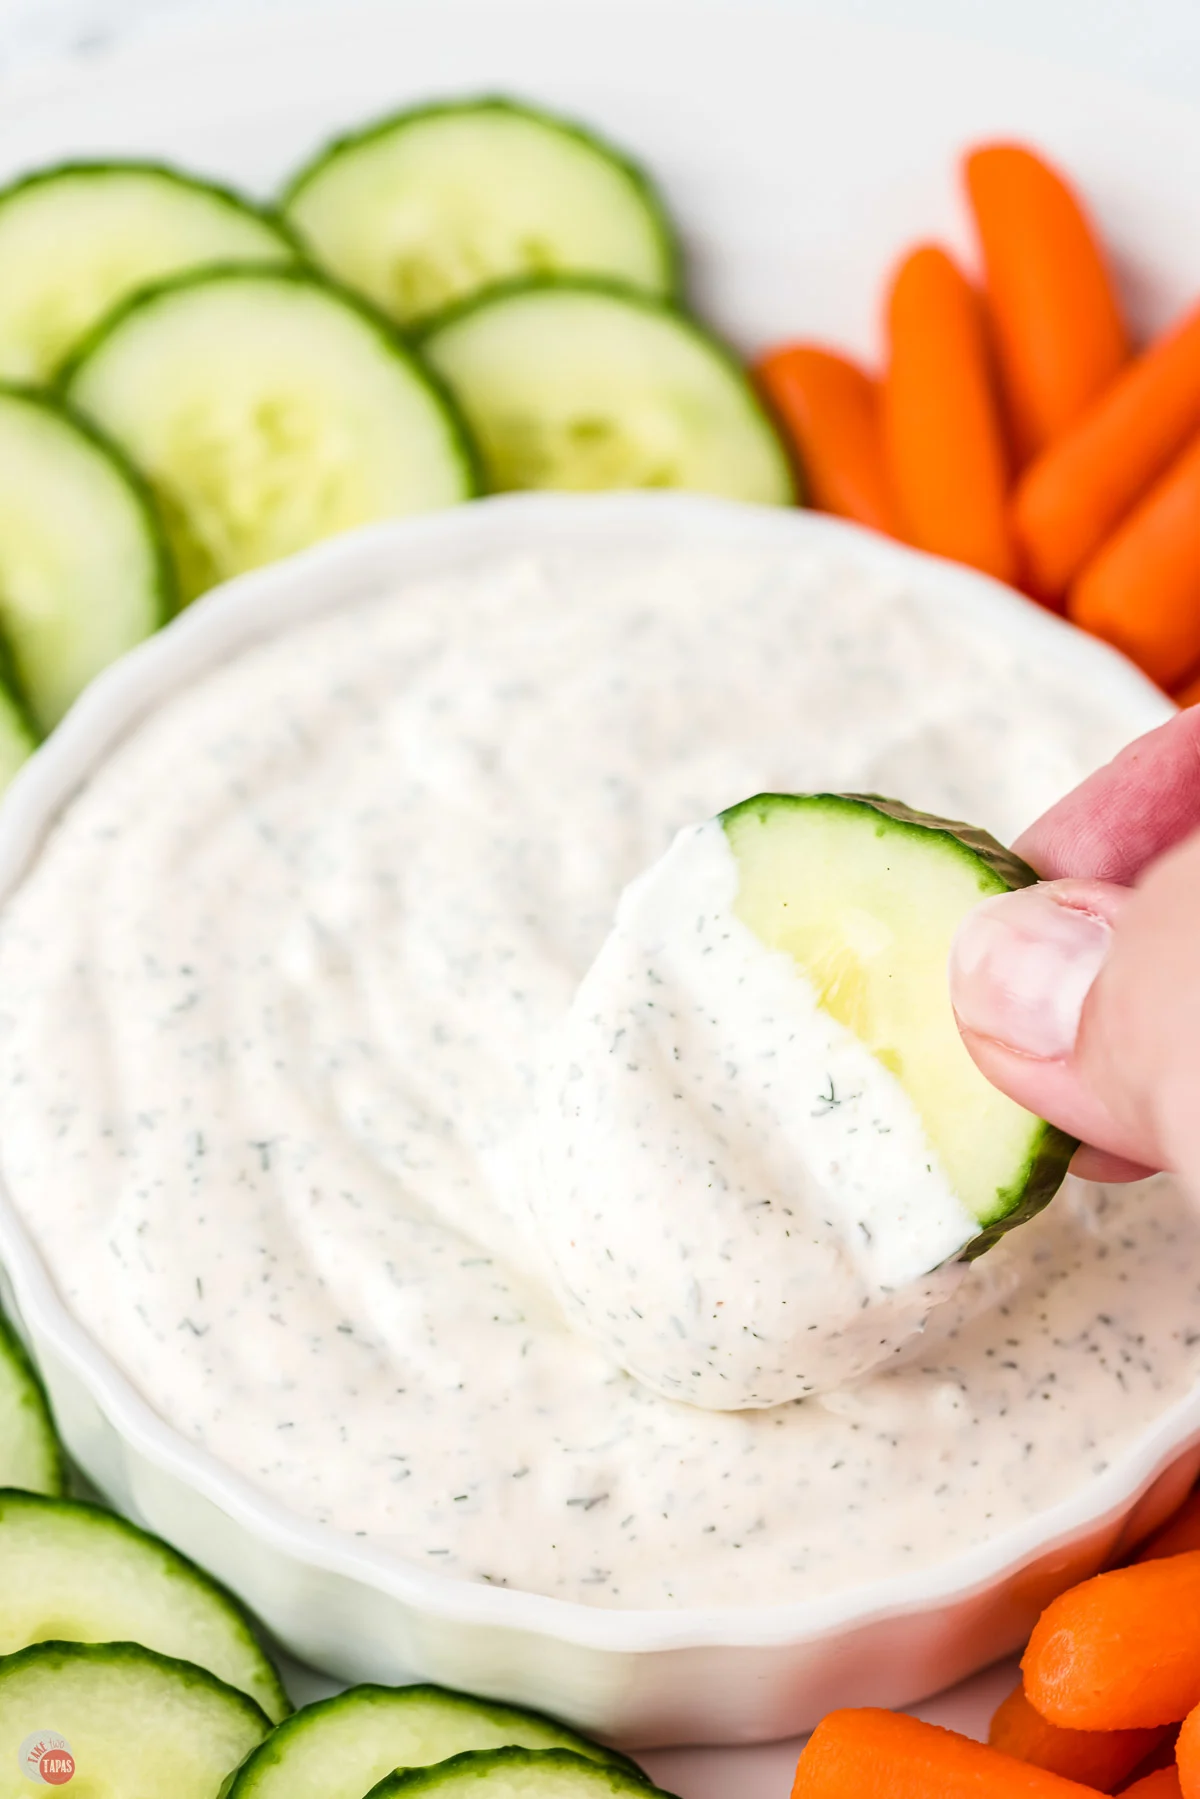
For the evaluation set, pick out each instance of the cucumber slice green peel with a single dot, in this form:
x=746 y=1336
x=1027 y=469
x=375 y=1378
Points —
x=18 y=737
x=75 y=1571
x=429 y=205
x=138 y=1725
x=268 y=409
x=78 y=238
x=336 y=1748
x=85 y=572
x=514 y=1774
x=866 y=894
x=30 y=1453
x=575 y=383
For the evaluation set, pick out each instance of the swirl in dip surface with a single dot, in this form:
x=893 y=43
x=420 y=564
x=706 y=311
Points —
x=272 y=1003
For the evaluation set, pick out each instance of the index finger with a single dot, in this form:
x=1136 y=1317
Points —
x=1125 y=815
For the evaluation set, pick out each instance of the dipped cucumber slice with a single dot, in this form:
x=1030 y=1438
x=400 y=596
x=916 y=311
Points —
x=337 y=1748
x=73 y=1570
x=514 y=1774
x=426 y=207
x=117 y=1721
x=18 y=739
x=582 y=385
x=84 y=568
x=865 y=895
x=30 y=1455
x=77 y=239
x=268 y=410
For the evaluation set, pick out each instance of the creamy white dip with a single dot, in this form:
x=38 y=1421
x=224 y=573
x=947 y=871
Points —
x=273 y=1001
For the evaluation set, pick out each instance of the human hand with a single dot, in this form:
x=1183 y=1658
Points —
x=1080 y=998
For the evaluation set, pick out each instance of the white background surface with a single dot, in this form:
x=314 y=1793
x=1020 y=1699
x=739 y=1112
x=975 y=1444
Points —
x=1153 y=43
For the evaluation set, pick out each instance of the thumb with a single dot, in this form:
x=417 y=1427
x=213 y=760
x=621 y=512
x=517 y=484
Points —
x=1081 y=1000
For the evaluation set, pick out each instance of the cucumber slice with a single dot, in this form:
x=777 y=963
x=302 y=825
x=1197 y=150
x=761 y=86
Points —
x=514 y=1774
x=73 y=1570
x=30 y=1454
x=77 y=239
x=578 y=384
x=339 y=1747
x=267 y=410
x=428 y=206
x=866 y=895
x=84 y=568
x=18 y=739
x=135 y=1725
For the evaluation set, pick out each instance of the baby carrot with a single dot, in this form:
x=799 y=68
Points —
x=1181 y=1531
x=1070 y=499
x=829 y=407
x=1096 y=1758
x=1189 y=696
x=1060 y=337
x=1162 y=1784
x=1187 y=1755
x=1120 y=1651
x=941 y=424
x=890 y=1756
x=1141 y=590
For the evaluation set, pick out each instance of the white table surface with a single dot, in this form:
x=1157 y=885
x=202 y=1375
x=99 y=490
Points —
x=1154 y=44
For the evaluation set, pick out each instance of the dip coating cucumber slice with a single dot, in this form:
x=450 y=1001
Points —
x=77 y=239
x=423 y=208
x=30 y=1453
x=866 y=895
x=514 y=1774
x=73 y=1570
x=268 y=410
x=137 y=1725
x=579 y=384
x=337 y=1748
x=84 y=568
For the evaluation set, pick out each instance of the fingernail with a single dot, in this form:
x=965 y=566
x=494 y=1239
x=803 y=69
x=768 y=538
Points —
x=1021 y=966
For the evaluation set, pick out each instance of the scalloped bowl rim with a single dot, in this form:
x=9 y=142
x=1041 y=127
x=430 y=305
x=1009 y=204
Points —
x=258 y=604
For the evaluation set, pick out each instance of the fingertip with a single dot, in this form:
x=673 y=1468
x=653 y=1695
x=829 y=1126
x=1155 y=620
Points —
x=1054 y=1090
x=1022 y=964
x=1092 y=1164
x=1142 y=803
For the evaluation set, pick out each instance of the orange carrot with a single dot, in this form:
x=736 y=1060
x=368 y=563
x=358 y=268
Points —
x=1096 y=1758
x=1189 y=695
x=1162 y=1784
x=1181 y=1531
x=1162 y=1757
x=1141 y=591
x=1060 y=337
x=1187 y=1755
x=829 y=407
x=1072 y=497
x=886 y=1755
x=941 y=425
x=1120 y=1651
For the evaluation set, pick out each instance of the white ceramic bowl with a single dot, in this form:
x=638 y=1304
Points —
x=644 y=1676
